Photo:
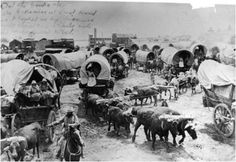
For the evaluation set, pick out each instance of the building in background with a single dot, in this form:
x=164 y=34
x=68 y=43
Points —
x=62 y=43
x=41 y=44
x=98 y=41
x=28 y=45
x=124 y=40
x=15 y=45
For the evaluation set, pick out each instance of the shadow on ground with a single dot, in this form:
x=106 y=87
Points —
x=212 y=132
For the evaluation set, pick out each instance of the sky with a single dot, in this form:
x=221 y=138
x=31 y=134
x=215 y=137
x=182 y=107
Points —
x=78 y=19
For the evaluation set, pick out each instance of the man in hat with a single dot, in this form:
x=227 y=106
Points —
x=70 y=119
x=23 y=89
x=48 y=95
x=34 y=91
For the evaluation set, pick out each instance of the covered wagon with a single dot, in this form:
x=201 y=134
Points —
x=119 y=64
x=228 y=55
x=199 y=51
x=218 y=82
x=11 y=56
x=182 y=60
x=19 y=106
x=106 y=51
x=95 y=75
x=145 y=60
x=67 y=64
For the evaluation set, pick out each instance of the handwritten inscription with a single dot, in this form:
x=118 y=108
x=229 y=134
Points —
x=46 y=17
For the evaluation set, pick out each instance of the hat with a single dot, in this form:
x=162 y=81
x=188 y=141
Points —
x=44 y=80
x=33 y=82
x=69 y=109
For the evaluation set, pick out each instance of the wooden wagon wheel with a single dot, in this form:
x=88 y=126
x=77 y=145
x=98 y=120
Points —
x=224 y=120
x=51 y=118
x=15 y=123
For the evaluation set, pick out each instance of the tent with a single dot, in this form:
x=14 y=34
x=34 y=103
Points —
x=8 y=57
x=66 y=61
x=15 y=72
x=213 y=73
x=105 y=72
x=120 y=54
x=171 y=56
x=143 y=56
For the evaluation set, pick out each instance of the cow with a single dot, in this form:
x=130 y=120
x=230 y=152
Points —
x=91 y=103
x=119 y=118
x=143 y=92
x=144 y=117
x=31 y=132
x=4 y=127
x=162 y=126
x=15 y=147
x=186 y=124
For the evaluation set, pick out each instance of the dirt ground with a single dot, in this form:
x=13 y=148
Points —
x=101 y=145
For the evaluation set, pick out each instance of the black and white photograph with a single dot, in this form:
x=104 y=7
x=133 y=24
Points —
x=118 y=80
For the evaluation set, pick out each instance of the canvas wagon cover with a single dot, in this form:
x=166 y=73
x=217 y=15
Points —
x=105 y=73
x=121 y=54
x=68 y=60
x=195 y=45
x=141 y=56
x=171 y=56
x=8 y=57
x=167 y=54
x=15 y=72
x=213 y=73
x=228 y=55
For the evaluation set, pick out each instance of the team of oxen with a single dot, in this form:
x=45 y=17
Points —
x=22 y=140
x=160 y=120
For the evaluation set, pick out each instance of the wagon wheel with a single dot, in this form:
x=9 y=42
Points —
x=15 y=123
x=51 y=118
x=224 y=120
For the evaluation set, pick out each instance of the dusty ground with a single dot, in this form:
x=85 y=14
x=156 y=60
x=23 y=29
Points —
x=103 y=145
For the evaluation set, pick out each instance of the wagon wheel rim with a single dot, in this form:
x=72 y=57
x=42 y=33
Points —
x=15 y=123
x=224 y=120
x=51 y=118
